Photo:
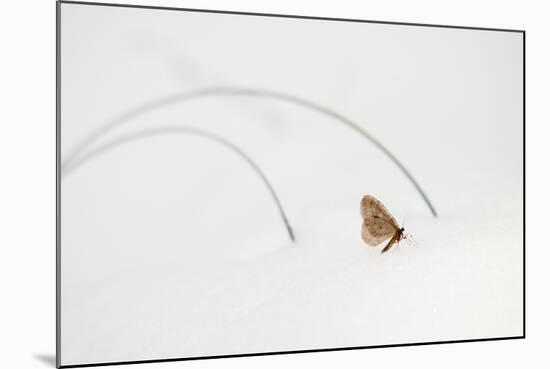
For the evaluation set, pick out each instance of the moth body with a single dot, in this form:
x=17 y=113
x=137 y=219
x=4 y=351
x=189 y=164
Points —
x=379 y=225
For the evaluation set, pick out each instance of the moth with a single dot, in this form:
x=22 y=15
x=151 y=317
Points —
x=379 y=224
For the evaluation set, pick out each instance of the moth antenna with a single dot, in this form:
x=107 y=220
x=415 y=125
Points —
x=405 y=219
x=410 y=239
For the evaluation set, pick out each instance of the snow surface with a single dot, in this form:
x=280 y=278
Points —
x=172 y=247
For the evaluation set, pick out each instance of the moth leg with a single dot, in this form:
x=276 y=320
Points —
x=390 y=244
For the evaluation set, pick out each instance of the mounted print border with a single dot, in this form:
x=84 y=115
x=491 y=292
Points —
x=289 y=229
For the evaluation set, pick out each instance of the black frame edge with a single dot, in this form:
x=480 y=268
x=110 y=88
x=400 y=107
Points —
x=524 y=190
x=289 y=352
x=275 y=15
x=58 y=184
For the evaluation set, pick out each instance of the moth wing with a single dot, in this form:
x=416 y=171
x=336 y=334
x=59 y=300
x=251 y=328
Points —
x=376 y=230
x=372 y=208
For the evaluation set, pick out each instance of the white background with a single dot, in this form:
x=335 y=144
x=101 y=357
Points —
x=27 y=198
x=167 y=256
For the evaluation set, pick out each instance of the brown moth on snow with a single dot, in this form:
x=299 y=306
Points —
x=379 y=224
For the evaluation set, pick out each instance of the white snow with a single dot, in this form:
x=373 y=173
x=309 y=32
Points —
x=172 y=246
